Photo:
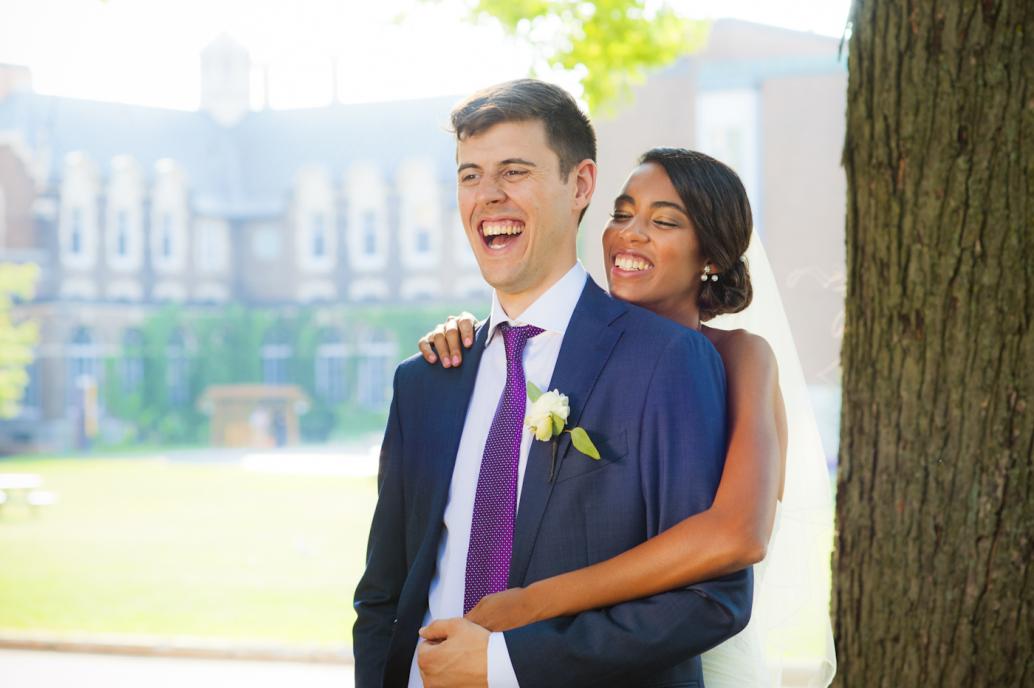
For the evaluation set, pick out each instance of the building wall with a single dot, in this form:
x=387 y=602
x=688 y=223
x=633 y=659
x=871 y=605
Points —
x=770 y=103
x=805 y=201
x=118 y=238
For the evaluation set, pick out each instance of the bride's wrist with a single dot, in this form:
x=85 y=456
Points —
x=537 y=600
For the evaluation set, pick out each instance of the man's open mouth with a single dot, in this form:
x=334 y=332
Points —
x=498 y=234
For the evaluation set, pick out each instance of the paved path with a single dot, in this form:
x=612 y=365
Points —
x=42 y=669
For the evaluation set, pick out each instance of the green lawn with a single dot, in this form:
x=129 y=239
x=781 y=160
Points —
x=149 y=547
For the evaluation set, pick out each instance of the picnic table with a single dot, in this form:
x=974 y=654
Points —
x=26 y=486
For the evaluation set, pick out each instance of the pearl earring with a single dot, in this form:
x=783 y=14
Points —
x=707 y=273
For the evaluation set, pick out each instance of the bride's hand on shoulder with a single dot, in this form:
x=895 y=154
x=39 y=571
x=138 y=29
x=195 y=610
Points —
x=447 y=341
x=504 y=610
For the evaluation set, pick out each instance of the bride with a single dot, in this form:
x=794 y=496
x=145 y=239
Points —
x=679 y=243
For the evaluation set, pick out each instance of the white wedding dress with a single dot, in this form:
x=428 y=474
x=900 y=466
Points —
x=740 y=661
x=790 y=624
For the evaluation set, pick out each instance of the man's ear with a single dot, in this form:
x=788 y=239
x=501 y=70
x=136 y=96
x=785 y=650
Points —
x=584 y=183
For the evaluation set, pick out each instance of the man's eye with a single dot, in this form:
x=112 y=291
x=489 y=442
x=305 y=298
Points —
x=514 y=173
x=467 y=177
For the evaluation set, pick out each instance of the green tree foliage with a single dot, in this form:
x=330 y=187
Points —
x=223 y=346
x=610 y=43
x=16 y=338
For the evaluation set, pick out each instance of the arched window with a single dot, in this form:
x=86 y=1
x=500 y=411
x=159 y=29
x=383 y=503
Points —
x=330 y=367
x=82 y=357
x=30 y=404
x=176 y=369
x=276 y=356
x=132 y=363
x=377 y=352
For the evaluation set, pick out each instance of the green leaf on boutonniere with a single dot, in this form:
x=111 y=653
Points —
x=582 y=443
x=533 y=392
x=558 y=424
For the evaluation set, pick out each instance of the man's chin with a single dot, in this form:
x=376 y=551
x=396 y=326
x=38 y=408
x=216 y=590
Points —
x=504 y=280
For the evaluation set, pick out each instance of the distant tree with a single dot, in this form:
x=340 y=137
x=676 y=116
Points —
x=934 y=574
x=16 y=338
x=609 y=44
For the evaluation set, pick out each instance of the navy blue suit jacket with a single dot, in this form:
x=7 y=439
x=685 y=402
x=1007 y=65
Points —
x=651 y=394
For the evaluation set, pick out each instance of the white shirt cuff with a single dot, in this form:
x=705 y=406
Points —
x=500 y=668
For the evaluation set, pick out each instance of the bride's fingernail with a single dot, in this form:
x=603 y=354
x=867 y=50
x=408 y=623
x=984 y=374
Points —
x=455 y=360
x=468 y=341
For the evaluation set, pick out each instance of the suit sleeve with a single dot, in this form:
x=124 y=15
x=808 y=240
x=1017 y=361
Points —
x=681 y=453
x=377 y=595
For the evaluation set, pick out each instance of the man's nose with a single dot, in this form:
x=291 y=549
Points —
x=489 y=191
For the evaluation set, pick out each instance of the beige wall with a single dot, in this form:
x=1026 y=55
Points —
x=16 y=186
x=803 y=211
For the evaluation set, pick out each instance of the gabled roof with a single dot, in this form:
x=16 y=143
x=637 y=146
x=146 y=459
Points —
x=244 y=170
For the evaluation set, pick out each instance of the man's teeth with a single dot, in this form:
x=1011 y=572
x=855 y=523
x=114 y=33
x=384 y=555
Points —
x=490 y=229
x=632 y=264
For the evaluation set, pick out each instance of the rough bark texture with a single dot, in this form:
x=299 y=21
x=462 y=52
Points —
x=934 y=576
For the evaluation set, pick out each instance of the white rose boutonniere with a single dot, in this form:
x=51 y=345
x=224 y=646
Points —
x=547 y=419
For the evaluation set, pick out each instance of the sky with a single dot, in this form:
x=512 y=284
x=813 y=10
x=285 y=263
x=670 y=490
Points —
x=147 y=52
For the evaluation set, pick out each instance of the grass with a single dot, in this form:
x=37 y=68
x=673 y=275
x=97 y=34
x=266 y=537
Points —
x=150 y=547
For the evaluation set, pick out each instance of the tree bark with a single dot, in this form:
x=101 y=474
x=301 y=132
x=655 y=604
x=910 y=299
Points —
x=934 y=578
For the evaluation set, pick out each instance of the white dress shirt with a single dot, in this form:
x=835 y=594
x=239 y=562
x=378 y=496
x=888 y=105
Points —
x=552 y=312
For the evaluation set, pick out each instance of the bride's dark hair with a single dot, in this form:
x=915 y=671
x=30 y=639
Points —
x=720 y=211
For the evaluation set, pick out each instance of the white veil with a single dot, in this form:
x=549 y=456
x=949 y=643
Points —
x=791 y=606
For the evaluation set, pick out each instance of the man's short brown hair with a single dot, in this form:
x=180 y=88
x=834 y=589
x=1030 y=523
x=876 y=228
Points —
x=569 y=132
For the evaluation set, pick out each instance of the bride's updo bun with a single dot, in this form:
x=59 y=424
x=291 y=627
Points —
x=720 y=211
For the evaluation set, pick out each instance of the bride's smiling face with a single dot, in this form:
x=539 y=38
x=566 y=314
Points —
x=650 y=246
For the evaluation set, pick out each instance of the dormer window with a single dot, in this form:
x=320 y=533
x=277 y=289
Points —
x=419 y=228
x=76 y=233
x=122 y=233
x=423 y=240
x=319 y=236
x=166 y=240
x=370 y=233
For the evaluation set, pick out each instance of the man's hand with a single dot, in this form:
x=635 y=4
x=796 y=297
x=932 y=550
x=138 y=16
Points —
x=454 y=654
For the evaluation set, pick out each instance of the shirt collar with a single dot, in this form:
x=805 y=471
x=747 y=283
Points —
x=552 y=311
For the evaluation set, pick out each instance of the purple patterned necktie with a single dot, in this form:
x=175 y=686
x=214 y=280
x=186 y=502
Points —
x=495 y=502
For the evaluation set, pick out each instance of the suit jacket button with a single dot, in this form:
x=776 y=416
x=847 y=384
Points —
x=395 y=620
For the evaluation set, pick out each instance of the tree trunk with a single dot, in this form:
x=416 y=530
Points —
x=935 y=505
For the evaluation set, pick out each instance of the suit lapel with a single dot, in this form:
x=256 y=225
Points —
x=451 y=399
x=454 y=399
x=587 y=346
